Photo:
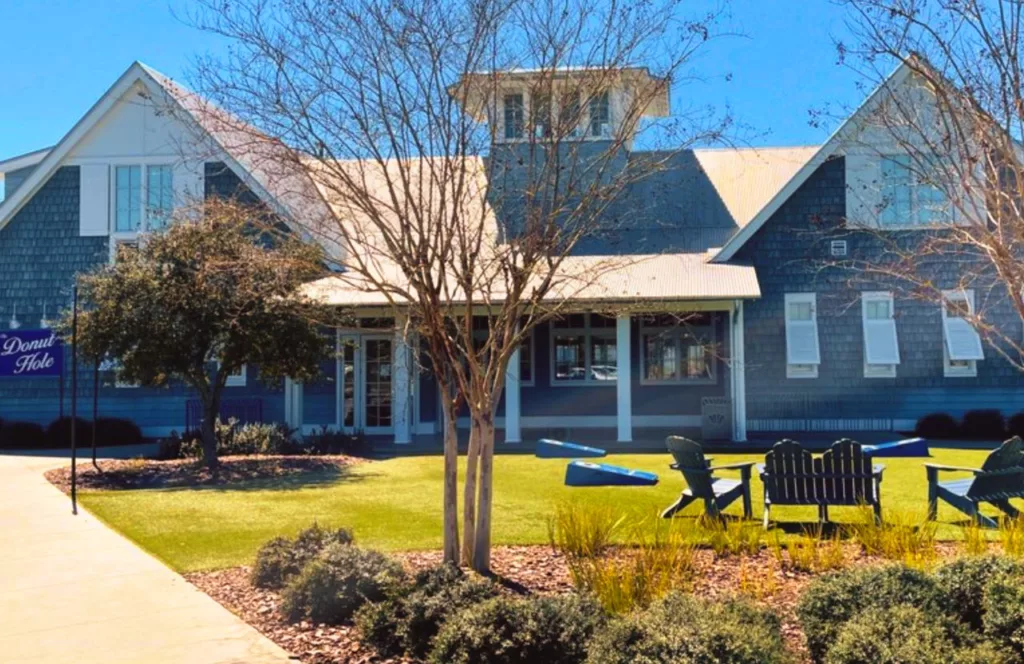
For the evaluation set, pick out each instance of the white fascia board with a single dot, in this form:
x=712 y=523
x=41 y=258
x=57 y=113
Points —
x=826 y=151
x=23 y=161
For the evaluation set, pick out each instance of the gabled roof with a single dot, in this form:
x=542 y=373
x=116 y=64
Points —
x=22 y=161
x=285 y=190
x=825 y=152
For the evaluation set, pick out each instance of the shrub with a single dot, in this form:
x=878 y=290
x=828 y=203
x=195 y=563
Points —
x=904 y=633
x=408 y=623
x=281 y=558
x=234 y=439
x=335 y=584
x=329 y=441
x=117 y=431
x=1003 y=612
x=22 y=435
x=682 y=628
x=983 y=425
x=964 y=582
x=506 y=630
x=832 y=600
x=1015 y=425
x=58 y=432
x=937 y=425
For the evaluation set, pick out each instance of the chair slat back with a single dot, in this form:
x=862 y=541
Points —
x=847 y=474
x=689 y=457
x=1002 y=473
x=789 y=475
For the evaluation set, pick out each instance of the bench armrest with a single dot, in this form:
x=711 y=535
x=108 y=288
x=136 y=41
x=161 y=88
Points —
x=734 y=466
x=952 y=469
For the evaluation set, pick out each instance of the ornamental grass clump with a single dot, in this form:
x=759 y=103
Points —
x=731 y=537
x=660 y=560
x=901 y=537
x=1011 y=536
x=682 y=628
x=338 y=582
x=582 y=531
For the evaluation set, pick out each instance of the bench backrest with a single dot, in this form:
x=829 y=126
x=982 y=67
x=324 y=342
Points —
x=1002 y=473
x=847 y=475
x=789 y=475
x=689 y=458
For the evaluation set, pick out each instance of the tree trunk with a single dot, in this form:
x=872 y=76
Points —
x=469 y=494
x=482 y=548
x=451 y=481
x=211 y=406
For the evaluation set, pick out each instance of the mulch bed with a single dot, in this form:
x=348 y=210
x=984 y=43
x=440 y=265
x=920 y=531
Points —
x=521 y=569
x=147 y=474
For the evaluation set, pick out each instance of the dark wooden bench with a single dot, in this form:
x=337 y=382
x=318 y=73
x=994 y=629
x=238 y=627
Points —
x=998 y=480
x=701 y=483
x=844 y=475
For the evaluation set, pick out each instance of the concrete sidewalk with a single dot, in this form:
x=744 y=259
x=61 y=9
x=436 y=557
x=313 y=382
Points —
x=72 y=590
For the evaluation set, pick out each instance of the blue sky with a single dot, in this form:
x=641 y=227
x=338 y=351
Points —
x=59 y=56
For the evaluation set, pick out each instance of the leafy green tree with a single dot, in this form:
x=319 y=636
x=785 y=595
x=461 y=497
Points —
x=215 y=291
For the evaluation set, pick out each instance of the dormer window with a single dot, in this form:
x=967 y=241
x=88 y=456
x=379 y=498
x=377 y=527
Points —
x=514 y=116
x=600 y=116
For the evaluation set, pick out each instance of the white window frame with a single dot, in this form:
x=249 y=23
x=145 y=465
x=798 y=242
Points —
x=582 y=131
x=588 y=332
x=679 y=335
x=144 y=221
x=114 y=367
x=802 y=370
x=915 y=198
x=527 y=340
x=956 y=368
x=878 y=370
x=237 y=379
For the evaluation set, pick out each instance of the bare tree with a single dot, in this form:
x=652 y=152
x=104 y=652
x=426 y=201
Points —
x=390 y=111
x=948 y=126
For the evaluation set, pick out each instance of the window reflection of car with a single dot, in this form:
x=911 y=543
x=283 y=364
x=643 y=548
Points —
x=604 y=372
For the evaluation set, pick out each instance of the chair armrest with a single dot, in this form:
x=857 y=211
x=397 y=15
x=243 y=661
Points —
x=952 y=469
x=878 y=469
x=674 y=466
x=734 y=466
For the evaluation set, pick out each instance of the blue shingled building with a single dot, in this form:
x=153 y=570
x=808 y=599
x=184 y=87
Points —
x=733 y=238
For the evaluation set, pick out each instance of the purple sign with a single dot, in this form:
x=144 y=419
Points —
x=28 y=353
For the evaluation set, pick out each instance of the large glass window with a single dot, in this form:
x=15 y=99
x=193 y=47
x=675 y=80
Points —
x=514 y=116
x=583 y=350
x=480 y=332
x=600 y=115
x=676 y=350
x=540 y=106
x=908 y=198
x=159 y=196
x=128 y=199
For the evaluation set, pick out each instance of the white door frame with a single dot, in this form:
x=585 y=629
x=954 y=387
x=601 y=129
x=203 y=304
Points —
x=361 y=386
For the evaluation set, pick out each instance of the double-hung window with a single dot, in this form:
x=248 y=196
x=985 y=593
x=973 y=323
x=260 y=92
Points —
x=962 y=348
x=236 y=379
x=802 y=352
x=583 y=350
x=881 y=345
x=480 y=332
x=143 y=198
x=909 y=198
x=676 y=351
x=513 y=110
x=569 y=114
x=600 y=115
x=540 y=114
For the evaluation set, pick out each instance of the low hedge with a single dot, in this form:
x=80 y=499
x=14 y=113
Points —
x=506 y=630
x=407 y=624
x=1003 y=617
x=338 y=582
x=682 y=628
x=280 y=559
x=1015 y=425
x=986 y=424
x=966 y=580
x=22 y=435
x=937 y=426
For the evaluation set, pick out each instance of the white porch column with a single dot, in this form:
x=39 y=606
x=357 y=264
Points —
x=624 y=379
x=339 y=381
x=401 y=386
x=738 y=373
x=293 y=404
x=513 y=432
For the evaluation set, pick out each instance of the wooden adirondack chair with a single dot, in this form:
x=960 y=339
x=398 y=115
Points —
x=844 y=475
x=1000 y=478
x=717 y=493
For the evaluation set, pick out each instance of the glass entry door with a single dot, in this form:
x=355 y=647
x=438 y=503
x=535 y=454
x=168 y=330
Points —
x=377 y=394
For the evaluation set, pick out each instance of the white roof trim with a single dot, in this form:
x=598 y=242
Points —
x=824 y=153
x=23 y=161
x=55 y=156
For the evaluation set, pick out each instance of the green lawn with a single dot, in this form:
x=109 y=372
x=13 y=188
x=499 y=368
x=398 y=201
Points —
x=396 y=504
